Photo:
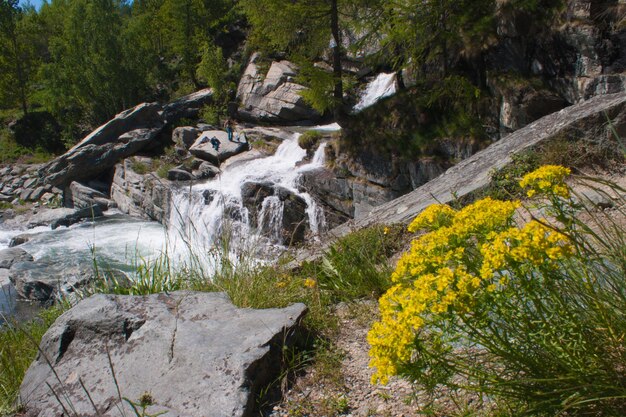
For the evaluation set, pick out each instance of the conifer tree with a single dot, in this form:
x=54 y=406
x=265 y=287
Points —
x=303 y=30
x=17 y=56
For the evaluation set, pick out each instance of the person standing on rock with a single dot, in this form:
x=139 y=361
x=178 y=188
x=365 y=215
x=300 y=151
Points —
x=228 y=126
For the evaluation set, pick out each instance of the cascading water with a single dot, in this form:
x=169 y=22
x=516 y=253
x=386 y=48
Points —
x=203 y=215
x=384 y=85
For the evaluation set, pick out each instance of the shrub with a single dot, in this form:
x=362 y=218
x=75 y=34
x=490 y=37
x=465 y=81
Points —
x=530 y=316
x=356 y=266
x=139 y=167
x=309 y=139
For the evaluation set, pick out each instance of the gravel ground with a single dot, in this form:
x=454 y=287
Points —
x=347 y=391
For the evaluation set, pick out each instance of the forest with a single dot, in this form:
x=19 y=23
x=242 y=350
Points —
x=72 y=64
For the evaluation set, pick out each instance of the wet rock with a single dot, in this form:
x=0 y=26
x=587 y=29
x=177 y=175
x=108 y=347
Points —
x=284 y=218
x=178 y=174
x=195 y=353
x=18 y=240
x=77 y=215
x=295 y=221
x=13 y=255
x=78 y=195
x=208 y=196
x=46 y=282
x=48 y=216
x=205 y=149
x=272 y=97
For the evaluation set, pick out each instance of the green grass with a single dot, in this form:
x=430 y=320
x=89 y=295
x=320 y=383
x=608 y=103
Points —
x=18 y=347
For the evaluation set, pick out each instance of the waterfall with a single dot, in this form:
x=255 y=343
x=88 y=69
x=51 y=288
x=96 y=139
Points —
x=384 y=85
x=203 y=214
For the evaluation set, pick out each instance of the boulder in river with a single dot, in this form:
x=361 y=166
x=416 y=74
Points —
x=53 y=217
x=213 y=146
x=196 y=354
x=46 y=282
x=13 y=255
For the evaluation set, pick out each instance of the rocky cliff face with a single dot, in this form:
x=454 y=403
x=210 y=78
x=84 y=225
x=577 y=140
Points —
x=274 y=96
x=144 y=196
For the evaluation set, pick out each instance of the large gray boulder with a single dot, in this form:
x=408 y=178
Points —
x=273 y=97
x=141 y=195
x=204 y=149
x=96 y=154
x=195 y=354
x=78 y=195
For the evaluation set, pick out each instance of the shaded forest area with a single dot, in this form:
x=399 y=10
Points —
x=73 y=64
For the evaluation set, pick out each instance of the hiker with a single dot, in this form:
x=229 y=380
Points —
x=228 y=125
x=216 y=143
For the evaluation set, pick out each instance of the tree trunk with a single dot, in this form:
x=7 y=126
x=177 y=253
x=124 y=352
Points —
x=337 y=67
x=19 y=72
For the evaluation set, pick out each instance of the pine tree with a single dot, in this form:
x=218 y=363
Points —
x=303 y=29
x=17 y=56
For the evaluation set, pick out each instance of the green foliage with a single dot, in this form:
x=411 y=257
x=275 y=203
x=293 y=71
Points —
x=164 y=169
x=320 y=82
x=530 y=316
x=212 y=68
x=309 y=139
x=212 y=114
x=139 y=167
x=11 y=151
x=19 y=55
x=413 y=123
x=504 y=183
x=19 y=344
x=356 y=266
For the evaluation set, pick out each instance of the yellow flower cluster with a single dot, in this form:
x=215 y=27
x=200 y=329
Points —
x=432 y=277
x=465 y=254
x=549 y=179
x=432 y=218
x=535 y=244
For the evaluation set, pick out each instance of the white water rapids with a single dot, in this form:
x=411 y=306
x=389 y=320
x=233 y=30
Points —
x=213 y=213
x=384 y=85
x=203 y=217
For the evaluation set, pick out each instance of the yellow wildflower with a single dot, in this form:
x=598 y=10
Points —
x=433 y=218
x=310 y=283
x=549 y=179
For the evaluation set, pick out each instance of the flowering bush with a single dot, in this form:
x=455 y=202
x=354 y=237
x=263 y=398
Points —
x=515 y=311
